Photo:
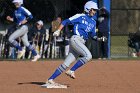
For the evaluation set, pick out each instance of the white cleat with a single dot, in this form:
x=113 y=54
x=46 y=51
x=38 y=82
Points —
x=52 y=84
x=70 y=74
x=36 y=58
x=20 y=53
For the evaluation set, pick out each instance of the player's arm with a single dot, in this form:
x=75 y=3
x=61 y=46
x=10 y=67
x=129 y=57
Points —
x=72 y=20
x=96 y=38
x=9 y=18
x=28 y=14
x=65 y=22
x=57 y=32
x=94 y=35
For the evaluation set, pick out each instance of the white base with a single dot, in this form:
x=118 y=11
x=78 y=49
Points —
x=47 y=85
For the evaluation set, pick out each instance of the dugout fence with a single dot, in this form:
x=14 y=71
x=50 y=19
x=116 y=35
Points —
x=125 y=16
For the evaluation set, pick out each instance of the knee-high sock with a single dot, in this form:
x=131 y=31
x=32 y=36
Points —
x=16 y=45
x=58 y=71
x=31 y=48
x=78 y=64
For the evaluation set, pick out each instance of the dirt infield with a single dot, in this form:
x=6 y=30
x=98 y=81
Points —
x=94 y=77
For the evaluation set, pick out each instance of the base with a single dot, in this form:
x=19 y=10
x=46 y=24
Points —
x=55 y=85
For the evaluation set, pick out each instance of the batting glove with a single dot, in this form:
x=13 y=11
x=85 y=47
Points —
x=56 y=33
x=104 y=39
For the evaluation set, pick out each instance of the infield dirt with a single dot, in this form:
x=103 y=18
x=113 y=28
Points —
x=94 y=77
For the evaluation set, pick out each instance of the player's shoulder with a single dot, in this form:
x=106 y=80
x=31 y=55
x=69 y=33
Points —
x=23 y=8
x=80 y=15
x=76 y=16
x=26 y=10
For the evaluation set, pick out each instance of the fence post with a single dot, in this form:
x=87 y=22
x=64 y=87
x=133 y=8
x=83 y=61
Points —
x=106 y=3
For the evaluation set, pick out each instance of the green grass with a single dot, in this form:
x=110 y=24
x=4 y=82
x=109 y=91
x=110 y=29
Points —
x=119 y=45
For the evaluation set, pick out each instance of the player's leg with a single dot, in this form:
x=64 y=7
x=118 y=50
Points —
x=19 y=32
x=50 y=83
x=14 y=36
x=79 y=46
x=30 y=47
x=69 y=59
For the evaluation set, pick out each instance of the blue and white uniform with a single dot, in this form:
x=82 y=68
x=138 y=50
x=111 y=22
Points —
x=19 y=15
x=83 y=25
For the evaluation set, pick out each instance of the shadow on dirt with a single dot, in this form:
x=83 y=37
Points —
x=34 y=83
x=37 y=83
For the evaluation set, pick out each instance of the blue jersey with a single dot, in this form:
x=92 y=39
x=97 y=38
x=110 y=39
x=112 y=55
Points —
x=21 y=14
x=83 y=25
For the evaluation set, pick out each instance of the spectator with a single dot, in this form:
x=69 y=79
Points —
x=8 y=46
x=55 y=24
x=103 y=31
x=136 y=41
x=92 y=45
x=40 y=33
x=37 y=36
x=59 y=40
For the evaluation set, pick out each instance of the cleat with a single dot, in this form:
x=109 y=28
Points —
x=36 y=58
x=52 y=84
x=70 y=74
x=20 y=53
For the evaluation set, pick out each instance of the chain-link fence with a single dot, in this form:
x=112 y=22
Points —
x=125 y=16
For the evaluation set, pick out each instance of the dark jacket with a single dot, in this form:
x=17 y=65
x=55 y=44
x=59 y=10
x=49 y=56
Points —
x=103 y=21
x=37 y=34
x=136 y=37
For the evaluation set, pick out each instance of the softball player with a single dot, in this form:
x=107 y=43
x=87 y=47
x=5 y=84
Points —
x=21 y=17
x=83 y=25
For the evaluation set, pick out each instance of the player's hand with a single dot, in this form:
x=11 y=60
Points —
x=56 y=33
x=9 y=18
x=23 y=22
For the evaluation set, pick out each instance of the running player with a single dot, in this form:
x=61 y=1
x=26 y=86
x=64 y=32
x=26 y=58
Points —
x=21 y=17
x=83 y=25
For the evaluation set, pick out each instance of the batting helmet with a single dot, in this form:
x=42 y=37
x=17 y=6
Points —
x=89 y=5
x=18 y=1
